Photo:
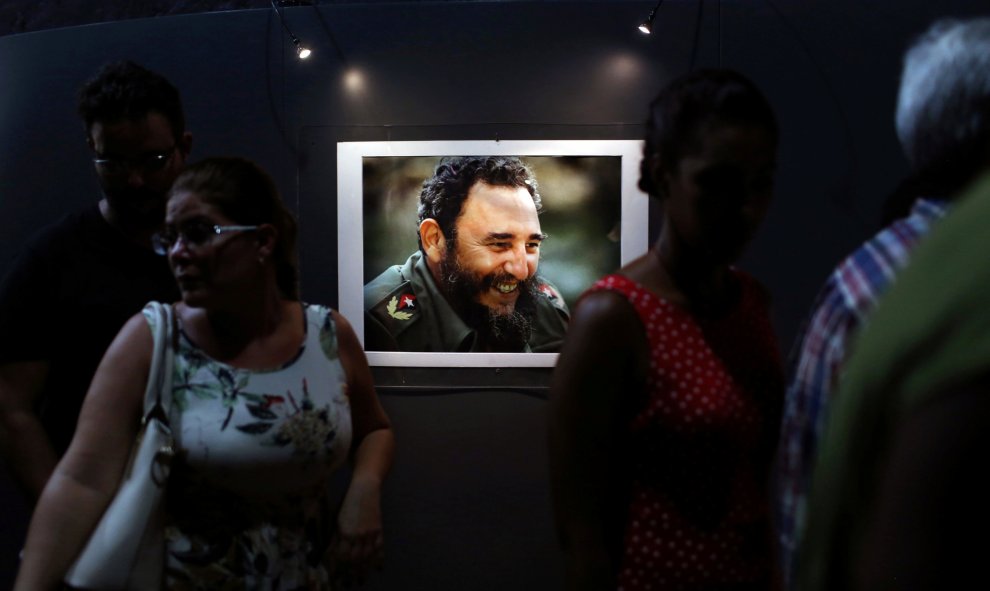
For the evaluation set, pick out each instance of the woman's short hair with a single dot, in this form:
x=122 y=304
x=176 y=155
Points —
x=687 y=105
x=246 y=194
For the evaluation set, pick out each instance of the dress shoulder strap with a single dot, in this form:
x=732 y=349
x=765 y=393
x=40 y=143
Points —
x=321 y=326
x=617 y=283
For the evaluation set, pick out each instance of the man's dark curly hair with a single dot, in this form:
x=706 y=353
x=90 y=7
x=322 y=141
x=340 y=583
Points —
x=443 y=194
x=125 y=90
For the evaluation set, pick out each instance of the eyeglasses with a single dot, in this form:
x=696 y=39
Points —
x=146 y=164
x=194 y=235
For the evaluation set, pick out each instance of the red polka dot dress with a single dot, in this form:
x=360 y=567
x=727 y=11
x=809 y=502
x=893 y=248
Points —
x=700 y=447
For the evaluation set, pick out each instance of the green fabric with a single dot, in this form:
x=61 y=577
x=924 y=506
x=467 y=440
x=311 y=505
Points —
x=430 y=324
x=929 y=332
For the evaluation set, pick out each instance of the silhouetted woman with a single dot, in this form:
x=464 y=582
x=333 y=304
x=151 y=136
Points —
x=666 y=397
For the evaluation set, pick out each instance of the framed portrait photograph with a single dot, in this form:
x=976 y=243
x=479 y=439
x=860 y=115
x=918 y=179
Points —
x=471 y=253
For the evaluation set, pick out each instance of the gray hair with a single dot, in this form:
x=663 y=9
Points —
x=943 y=107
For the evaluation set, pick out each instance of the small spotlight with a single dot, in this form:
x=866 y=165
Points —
x=301 y=50
x=646 y=27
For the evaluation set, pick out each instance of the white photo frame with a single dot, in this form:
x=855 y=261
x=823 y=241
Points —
x=351 y=158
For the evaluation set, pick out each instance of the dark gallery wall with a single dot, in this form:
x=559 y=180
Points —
x=467 y=505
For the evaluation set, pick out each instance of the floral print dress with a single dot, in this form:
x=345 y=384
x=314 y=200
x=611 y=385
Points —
x=247 y=498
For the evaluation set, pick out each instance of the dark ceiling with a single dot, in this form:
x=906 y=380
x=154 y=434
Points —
x=25 y=16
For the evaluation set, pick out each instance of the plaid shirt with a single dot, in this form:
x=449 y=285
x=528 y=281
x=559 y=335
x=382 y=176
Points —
x=847 y=298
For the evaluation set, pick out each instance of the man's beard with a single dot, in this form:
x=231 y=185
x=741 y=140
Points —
x=501 y=332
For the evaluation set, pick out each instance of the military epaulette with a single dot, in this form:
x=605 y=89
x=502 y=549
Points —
x=549 y=291
x=553 y=296
x=398 y=309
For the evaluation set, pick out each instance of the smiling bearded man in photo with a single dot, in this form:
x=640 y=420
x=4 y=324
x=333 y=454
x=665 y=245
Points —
x=472 y=286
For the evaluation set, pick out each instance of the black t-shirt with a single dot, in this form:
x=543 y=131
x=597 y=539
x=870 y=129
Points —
x=64 y=300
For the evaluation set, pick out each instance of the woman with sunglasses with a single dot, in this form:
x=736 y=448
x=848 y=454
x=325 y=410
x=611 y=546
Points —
x=269 y=397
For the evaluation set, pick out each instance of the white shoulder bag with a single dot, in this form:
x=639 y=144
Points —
x=127 y=548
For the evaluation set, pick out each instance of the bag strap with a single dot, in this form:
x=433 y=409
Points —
x=158 y=392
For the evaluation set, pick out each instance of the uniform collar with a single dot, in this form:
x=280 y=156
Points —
x=450 y=329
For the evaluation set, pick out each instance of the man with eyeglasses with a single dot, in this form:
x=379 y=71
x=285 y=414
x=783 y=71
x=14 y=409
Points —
x=80 y=279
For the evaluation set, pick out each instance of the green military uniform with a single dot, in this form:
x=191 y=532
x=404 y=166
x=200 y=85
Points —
x=405 y=311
